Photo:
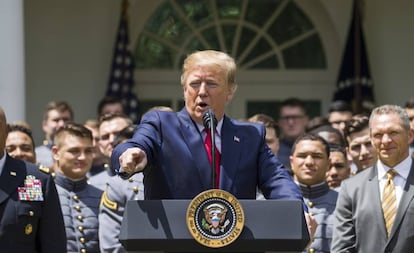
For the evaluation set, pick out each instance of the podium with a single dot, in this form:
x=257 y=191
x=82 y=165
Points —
x=160 y=225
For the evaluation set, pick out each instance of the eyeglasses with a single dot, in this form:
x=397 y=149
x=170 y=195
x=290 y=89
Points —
x=291 y=117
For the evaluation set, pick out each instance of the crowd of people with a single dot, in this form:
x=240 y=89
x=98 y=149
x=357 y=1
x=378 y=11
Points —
x=82 y=175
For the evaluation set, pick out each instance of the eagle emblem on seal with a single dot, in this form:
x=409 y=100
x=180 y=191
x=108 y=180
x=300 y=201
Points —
x=215 y=218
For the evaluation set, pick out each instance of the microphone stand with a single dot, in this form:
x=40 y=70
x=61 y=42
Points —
x=210 y=122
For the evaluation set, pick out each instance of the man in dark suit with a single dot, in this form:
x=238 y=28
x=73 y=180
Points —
x=172 y=143
x=360 y=224
x=30 y=215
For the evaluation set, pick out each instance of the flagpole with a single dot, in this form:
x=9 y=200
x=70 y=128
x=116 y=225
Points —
x=357 y=58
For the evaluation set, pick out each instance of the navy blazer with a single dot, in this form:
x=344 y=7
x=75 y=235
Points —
x=178 y=166
x=29 y=226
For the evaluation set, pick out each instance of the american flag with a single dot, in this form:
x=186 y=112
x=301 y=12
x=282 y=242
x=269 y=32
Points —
x=121 y=79
x=354 y=82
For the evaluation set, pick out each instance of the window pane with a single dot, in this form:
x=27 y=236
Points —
x=258 y=12
x=291 y=23
x=152 y=54
x=307 y=54
x=229 y=8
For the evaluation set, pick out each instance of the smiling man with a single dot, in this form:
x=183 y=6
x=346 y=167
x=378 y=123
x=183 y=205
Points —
x=386 y=188
x=73 y=155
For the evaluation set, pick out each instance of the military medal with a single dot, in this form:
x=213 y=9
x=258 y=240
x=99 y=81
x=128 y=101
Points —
x=32 y=190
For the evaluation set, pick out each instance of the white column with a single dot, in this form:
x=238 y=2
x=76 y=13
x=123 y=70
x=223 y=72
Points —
x=12 y=70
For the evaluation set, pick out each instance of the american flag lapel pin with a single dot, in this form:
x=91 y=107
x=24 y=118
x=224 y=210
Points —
x=236 y=139
x=13 y=173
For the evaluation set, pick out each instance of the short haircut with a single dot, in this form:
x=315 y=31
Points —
x=330 y=129
x=214 y=59
x=60 y=106
x=73 y=129
x=108 y=100
x=311 y=137
x=391 y=109
x=316 y=122
x=356 y=124
x=292 y=102
x=265 y=119
x=23 y=129
x=111 y=116
x=340 y=106
x=337 y=148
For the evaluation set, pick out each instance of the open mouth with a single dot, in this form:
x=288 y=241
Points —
x=203 y=105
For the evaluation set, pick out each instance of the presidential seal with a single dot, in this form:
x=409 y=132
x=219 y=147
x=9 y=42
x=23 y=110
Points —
x=215 y=218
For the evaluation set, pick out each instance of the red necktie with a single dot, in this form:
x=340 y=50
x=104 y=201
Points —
x=208 y=145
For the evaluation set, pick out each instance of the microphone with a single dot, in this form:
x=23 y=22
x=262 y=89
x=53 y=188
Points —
x=210 y=123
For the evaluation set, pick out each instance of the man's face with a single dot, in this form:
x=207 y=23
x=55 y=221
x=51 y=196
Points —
x=108 y=130
x=338 y=120
x=390 y=139
x=292 y=121
x=309 y=162
x=95 y=142
x=272 y=140
x=339 y=169
x=74 y=157
x=361 y=150
x=19 y=145
x=206 y=88
x=55 y=121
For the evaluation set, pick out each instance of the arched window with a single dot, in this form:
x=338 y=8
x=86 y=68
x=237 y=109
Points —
x=283 y=48
x=259 y=34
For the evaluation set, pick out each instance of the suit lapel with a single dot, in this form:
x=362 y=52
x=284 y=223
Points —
x=231 y=143
x=406 y=198
x=11 y=177
x=373 y=190
x=195 y=144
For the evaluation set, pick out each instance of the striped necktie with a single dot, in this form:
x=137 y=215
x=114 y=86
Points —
x=389 y=201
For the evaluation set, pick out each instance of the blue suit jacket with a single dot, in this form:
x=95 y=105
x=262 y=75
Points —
x=179 y=167
x=29 y=226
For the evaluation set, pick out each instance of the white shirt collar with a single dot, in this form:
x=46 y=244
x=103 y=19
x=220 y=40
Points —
x=403 y=168
x=218 y=128
x=2 y=161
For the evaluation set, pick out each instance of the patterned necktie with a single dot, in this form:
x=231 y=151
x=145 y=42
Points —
x=389 y=201
x=208 y=145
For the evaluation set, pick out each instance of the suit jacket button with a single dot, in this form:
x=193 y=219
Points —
x=82 y=240
x=76 y=198
x=80 y=217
